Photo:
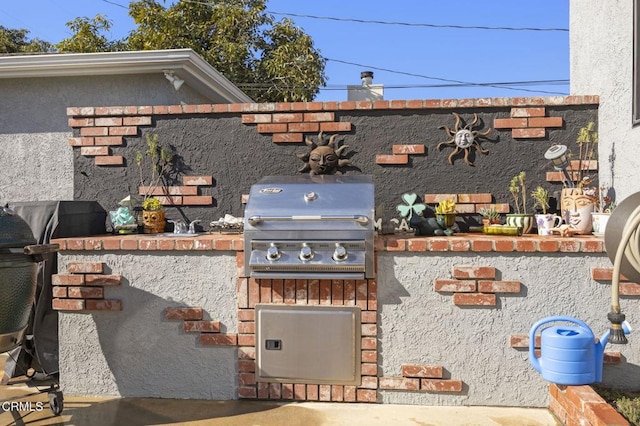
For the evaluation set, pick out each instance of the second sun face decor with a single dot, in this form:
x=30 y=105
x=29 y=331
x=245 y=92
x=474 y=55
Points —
x=464 y=139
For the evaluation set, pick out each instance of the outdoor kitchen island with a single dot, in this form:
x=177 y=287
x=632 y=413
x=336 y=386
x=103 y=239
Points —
x=444 y=322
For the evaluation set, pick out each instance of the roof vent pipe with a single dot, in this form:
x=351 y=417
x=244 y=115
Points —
x=366 y=77
x=366 y=91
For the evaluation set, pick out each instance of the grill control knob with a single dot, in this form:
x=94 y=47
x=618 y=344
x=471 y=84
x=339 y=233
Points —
x=306 y=253
x=273 y=253
x=340 y=253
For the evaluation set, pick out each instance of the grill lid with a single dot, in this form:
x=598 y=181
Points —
x=281 y=201
x=14 y=231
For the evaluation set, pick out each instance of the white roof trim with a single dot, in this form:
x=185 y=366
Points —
x=185 y=63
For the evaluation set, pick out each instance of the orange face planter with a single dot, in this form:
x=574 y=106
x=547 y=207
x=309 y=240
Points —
x=153 y=221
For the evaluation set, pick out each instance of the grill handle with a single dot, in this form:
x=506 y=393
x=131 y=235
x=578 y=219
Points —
x=254 y=220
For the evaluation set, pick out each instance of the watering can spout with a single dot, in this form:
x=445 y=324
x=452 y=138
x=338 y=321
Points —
x=610 y=336
x=617 y=330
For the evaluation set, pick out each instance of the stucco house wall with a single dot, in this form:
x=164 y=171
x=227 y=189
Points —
x=36 y=159
x=601 y=52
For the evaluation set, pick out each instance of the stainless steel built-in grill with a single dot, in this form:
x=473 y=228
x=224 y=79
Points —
x=310 y=227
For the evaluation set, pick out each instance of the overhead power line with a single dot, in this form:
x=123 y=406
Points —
x=260 y=86
x=467 y=83
x=409 y=24
x=116 y=4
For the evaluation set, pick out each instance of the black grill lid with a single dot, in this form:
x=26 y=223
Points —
x=14 y=231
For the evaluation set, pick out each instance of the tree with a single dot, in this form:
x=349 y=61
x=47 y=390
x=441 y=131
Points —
x=16 y=41
x=271 y=60
x=88 y=36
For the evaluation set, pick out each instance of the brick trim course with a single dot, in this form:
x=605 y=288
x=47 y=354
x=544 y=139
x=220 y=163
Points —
x=85 y=114
x=391 y=243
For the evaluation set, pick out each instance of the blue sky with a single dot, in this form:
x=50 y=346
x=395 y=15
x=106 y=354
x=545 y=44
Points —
x=401 y=56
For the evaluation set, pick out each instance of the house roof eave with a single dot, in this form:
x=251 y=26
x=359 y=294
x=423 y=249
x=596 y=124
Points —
x=185 y=63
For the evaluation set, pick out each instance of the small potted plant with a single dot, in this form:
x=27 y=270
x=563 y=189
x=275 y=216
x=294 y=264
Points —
x=518 y=190
x=160 y=161
x=490 y=216
x=604 y=207
x=446 y=215
x=153 y=216
x=545 y=221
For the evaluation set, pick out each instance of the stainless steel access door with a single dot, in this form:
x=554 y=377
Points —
x=308 y=344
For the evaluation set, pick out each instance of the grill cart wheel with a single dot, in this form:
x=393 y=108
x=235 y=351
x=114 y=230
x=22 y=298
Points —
x=56 y=400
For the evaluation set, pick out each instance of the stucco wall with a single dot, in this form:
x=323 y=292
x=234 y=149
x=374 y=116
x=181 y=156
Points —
x=121 y=352
x=35 y=157
x=418 y=325
x=601 y=52
x=35 y=167
x=136 y=352
x=421 y=326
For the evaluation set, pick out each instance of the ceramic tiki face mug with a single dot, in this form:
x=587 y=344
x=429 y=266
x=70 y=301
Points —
x=546 y=222
x=576 y=209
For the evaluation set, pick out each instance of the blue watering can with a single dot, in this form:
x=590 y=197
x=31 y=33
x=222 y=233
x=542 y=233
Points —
x=569 y=355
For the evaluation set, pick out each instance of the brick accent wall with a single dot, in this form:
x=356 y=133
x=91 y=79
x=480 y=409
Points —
x=105 y=137
x=401 y=154
x=361 y=293
x=185 y=195
x=528 y=122
x=627 y=287
x=573 y=169
x=475 y=286
x=467 y=203
x=581 y=405
x=83 y=288
x=193 y=322
x=101 y=129
x=290 y=127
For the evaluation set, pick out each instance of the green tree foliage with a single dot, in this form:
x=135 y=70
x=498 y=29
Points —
x=16 y=41
x=271 y=60
x=89 y=36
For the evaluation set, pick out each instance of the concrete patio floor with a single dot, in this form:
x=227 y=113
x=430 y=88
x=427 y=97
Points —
x=83 y=411
x=33 y=409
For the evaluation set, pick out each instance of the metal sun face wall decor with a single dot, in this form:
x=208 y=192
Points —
x=325 y=157
x=464 y=139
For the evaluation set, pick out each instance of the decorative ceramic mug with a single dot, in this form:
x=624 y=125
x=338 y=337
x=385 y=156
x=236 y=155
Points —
x=599 y=222
x=546 y=222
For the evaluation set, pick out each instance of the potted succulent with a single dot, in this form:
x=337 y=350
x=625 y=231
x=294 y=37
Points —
x=545 y=221
x=446 y=215
x=160 y=161
x=153 y=216
x=604 y=207
x=490 y=216
x=518 y=190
